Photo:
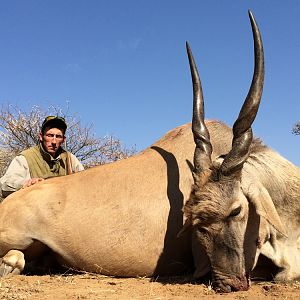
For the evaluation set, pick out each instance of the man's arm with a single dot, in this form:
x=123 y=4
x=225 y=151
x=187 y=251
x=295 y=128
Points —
x=15 y=176
x=75 y=163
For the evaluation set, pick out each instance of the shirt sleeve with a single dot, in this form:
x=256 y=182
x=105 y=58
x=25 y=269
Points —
x=15 y=176
x=76 y=164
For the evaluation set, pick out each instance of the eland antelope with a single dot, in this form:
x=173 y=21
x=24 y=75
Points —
x=240 y=200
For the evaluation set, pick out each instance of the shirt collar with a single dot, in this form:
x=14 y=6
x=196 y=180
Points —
x=48 y=157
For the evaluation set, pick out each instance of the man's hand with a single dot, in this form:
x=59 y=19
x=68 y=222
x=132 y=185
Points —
x=32 y=181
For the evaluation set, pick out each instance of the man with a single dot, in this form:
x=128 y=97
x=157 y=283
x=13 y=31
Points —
x=47 y=159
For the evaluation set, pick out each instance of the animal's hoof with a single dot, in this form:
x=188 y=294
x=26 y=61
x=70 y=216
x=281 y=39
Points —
x=5 y=269
x=12 y=263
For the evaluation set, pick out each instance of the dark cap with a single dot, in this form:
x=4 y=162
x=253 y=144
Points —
x=54 y=122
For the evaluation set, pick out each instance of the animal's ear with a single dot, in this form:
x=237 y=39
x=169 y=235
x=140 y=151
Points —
x=264 y=206
x=186 y=226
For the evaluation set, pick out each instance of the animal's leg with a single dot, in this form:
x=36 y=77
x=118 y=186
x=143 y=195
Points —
x=286 y=257
x=12 y=263
x=13 y=260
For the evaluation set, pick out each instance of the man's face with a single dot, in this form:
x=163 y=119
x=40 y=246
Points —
x=52 y=138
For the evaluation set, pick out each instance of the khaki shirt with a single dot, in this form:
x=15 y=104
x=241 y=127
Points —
x=18 y=172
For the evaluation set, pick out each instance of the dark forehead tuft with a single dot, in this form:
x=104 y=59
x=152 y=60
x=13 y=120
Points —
x=211 y=202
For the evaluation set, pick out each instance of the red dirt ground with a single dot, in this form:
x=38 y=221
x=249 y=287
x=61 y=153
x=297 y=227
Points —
x=87 y=286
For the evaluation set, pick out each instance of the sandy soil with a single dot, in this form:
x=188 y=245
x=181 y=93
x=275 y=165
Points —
x=87 y=286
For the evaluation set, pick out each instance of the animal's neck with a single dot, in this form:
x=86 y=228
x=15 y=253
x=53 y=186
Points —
x=280 y=177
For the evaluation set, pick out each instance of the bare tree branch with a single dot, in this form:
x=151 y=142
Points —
x=296 y=129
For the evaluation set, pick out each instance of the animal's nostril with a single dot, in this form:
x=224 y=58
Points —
x=241 y=285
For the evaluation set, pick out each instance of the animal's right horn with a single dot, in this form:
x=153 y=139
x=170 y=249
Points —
x=202 y=154
x=242 y=132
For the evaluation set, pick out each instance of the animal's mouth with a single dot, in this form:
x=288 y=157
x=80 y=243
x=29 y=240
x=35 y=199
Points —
x=229 y=283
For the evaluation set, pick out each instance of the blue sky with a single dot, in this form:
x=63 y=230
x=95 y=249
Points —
x=122 y=64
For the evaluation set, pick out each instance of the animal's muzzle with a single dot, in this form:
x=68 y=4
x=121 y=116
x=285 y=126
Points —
x=230 y=283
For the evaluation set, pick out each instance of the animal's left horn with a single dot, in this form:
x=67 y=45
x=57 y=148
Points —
x=202 y=154
x=242 y=132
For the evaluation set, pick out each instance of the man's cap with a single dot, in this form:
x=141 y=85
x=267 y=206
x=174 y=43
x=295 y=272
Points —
x=54 y=122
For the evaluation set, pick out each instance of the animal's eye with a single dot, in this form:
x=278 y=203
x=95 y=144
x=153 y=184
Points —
x=235 y=211
x=202 y=230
